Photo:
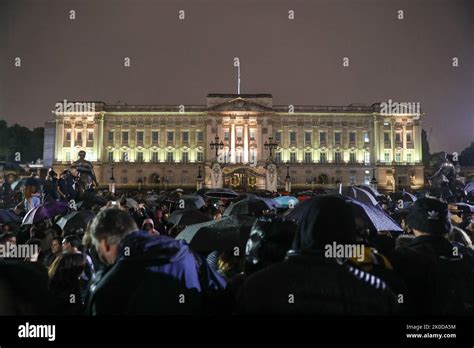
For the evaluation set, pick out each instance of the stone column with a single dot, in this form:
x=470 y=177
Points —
x=232 y=143
x=246 y=143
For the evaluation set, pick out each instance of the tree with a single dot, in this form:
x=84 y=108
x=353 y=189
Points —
x=425 y=148
x=467 y=156
x=16 y=138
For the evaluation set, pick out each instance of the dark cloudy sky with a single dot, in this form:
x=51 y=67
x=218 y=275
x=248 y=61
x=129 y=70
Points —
x=298 y=61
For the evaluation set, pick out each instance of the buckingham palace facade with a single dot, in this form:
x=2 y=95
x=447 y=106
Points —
x=161 y=146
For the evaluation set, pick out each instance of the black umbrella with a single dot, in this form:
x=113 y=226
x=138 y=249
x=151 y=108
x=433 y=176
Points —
x=187 y=217
x=247 y=206
x=221 y=193
x=75 y=220
x=7 y=215
x=222 y=235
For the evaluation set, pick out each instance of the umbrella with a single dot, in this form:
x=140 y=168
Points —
x=75 y=220
x=131 y=203
x=6 y=215
x=44 y=212
x=221 y=235
x=247 y=206
x=409 y=197
x=91 y=199
x=187 y=217
x=364 y=196
x=191 y=202
x=28 y=181
x=221 y=193
x=375 y=215
x=286 y=201
x=469 y=188
x=370 y=189
x=466 y=206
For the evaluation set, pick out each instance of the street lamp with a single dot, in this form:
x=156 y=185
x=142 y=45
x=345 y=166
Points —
x=288 y=180
x=199 y=179
x=217 y=145
x=112 y=181
x=270 y=145
x=373 y=182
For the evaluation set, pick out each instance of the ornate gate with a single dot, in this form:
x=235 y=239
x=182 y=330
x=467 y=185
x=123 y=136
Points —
x=241 y=178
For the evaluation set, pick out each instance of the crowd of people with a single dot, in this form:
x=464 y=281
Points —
x=130 y=258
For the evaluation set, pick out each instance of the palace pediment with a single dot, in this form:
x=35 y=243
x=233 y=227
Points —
x=240 y=104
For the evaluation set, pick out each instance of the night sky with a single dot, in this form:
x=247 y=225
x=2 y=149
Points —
x=298 y=61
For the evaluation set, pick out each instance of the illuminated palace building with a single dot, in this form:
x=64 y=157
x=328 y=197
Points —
x=259 y=145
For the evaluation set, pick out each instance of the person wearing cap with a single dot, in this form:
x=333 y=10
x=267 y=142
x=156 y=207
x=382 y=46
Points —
x=437 y=275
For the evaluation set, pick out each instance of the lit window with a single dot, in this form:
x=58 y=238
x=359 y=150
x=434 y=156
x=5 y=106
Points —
x=278 y=136
x=252 y=134
x=200 y=135
x=154 y=156
x=398 y=137
x=367 y=157
x=110 y=156
x=169 y=156
x=387 y=157
x=200 y=156
x=239 y=134
x=140 y=157
x=337 y=157
x=307 y=157
x=292 y=157
x=322 y=157
x=409 y=137
x=352 y=157
x=111 y=137
x=185 y=157
x=409 y=157
x=90 y=136
x=278 y=157
x=226 y=135
x=398 y=157
x=366 y=137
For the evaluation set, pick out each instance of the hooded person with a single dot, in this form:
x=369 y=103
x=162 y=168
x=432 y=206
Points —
x=147 y=275
x=437 y=274
x=149 y=226
x=313 y=279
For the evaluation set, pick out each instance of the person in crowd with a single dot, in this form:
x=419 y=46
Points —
x=438 y=277
x=56 y=250
x=65 y=285
x=149 y=226
x=51 y=192
x=32 y=198
x=67 y=184
x=147 y=274
x=72 y=245
x=7 y=237
x=310 y=282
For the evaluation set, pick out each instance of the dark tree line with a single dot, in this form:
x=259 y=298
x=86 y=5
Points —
x=16 y=138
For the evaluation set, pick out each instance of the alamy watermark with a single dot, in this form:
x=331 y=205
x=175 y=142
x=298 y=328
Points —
x=400 y=108
x=21 y=251
x=76 y=107
x=345 y=251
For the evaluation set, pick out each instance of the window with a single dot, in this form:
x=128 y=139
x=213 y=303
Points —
x=367 y=157
x=337 y=137
x=111 y=137
x=68 y=156
x=292 y=157
x=366 y=137
x=409 y=157
x=352 y=179
x=278 y=157
x=140 y=157
x=238 y=157
x=387 y=157
x=125 y=156
x=154 y=156
x=124 y=137
x=367 y=179
x=307 y=157
x=252 y=134
x=140 y=137
x=278 y=137
x=322 y=157
x=398 y=137
x=253 y=157
x=79 y=136
x=226 y=135
x=185 y=157
x=292 y=137
x=90 y=136
x=200 y=156
x=185 y=136
x=352 y=137
x=307 y=138
x=386 y=137
x=170 y=136
x=239 y=134
x=322 y=137
x=337 y=157
x=409 y=137
x=200 y=135
x=110 y=156
x=68 y=136
x=155 y=137
x=352 y=157
x=398 y=157
x=169 y=157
